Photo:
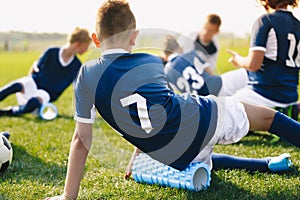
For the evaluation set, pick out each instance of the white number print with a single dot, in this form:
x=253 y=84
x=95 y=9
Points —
x=190 y=73
x=293 y=62
x=141 y=109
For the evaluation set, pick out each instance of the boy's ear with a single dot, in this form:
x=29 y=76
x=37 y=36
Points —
x=133 y=37
x=95 y=40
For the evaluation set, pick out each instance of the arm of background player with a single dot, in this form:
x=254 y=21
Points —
x=128 y=171
x=33 y=68
x=251 y=63
x=80 y=146
x=37 y=64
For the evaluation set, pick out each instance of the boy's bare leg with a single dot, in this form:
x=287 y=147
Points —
x=266 y=119
x=260 y=118
x=128 y=171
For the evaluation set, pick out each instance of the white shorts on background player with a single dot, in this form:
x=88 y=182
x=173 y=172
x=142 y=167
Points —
x=233 y=81
x=30 y=91
x=247 y=95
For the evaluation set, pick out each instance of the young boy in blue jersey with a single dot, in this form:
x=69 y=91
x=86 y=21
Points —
x=49 y=76
x=273 y=60
x=189 y=73
x=130 y=92
x=204 y=42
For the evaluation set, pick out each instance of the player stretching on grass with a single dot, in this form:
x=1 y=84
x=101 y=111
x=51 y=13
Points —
x=204 y=41
x=274 y=58
x=131 y=94
x=49 y=77
x=189 y=73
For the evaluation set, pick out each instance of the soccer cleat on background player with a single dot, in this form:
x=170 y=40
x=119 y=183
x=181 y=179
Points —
x=6 y=112
x=280 y=163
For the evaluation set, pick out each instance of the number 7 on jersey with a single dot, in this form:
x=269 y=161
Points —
x=141 y=110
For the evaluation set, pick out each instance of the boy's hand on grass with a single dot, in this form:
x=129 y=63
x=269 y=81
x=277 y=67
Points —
x=129 y=166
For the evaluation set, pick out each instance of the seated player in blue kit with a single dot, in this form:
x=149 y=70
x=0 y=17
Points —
x=273 y=60
x=129 y=90
x=204 y=42
x=189 y=73
x=49 y=76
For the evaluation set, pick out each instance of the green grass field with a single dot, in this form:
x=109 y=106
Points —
x=41 y=151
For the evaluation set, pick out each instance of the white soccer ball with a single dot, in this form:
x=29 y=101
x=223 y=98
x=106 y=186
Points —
x=6 y=153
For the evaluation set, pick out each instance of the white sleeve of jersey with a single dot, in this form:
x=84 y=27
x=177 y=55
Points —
x=186 y=41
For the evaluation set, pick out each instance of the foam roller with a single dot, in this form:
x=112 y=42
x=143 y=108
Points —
x=195 y=177
x=48 y=111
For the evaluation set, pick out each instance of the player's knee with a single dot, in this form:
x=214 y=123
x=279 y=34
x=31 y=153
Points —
x=40 y=100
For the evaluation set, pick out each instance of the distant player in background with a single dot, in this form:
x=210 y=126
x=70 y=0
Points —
x=189 y=73
x=273 y=60
x=49 y=76
x=204 y=41
x=170 y=49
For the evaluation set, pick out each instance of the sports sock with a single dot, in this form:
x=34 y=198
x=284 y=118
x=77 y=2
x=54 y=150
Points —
x=10 y=89
x=224 y=161
x=31 y=105
x=286 y=128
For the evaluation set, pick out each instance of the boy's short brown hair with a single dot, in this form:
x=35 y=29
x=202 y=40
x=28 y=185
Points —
x=170 y=44
x=114 y=16
x=214 y=19
x=278 y=3
x=79 y=35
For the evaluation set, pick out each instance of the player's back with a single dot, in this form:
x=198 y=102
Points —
x=287 y=30
x=279 y=34
x=132 y=96
x=186 y=73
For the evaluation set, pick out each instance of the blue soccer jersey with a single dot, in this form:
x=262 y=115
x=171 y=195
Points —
x=207 y=49
x=278 y=34
x=130 y=92
x=52 y=76
x=186 y=73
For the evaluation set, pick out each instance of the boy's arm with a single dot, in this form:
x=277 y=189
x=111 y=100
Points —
x=80 y=146
x=128 y=172
x=251 y=63
x=33 y=68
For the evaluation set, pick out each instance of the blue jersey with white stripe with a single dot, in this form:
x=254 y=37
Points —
x=278 y=34
x=186 y=73
x=208 y=49
x=52 y=76
x=130 y=92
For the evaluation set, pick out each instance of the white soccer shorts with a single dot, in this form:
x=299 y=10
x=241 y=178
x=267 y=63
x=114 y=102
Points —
x=30 y=91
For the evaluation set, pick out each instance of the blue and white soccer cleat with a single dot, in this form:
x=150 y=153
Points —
x=280 y=163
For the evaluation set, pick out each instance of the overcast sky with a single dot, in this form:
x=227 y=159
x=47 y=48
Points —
x=180 y=16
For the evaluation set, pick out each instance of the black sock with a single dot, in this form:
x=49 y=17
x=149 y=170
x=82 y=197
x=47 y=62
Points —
x=286 y=128
x=10 y=89
x=31 y=105
x=224 y=161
